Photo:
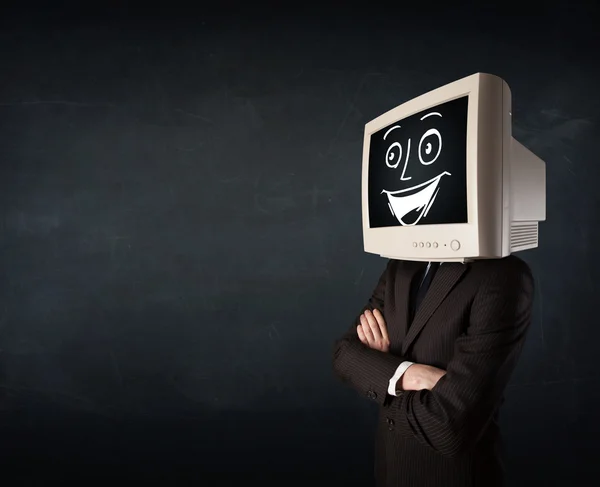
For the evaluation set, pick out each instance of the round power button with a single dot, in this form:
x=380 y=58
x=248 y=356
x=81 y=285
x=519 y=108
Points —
x=455 y=245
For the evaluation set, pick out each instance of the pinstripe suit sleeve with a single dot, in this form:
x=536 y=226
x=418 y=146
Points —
x=451 y=417
x=365 y=369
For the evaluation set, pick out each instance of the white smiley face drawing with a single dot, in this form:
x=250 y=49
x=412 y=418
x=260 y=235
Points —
x=414 y=202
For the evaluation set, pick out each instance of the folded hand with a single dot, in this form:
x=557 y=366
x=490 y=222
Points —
x=372 y=330
x=419 y=376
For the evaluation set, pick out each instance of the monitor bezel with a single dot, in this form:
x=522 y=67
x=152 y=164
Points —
x=419 y=242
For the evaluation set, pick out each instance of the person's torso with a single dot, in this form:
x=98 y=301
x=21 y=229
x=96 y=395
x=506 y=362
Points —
x=443 y=316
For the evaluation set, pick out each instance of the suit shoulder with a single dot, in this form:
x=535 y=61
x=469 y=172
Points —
x=395 y=264
x=508 y=269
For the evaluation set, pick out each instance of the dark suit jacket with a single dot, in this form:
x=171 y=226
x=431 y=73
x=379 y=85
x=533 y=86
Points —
x=472 y=323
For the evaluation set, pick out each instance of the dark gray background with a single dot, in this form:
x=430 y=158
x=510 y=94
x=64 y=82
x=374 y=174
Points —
x=181 y=234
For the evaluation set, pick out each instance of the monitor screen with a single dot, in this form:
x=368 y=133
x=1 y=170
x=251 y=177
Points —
x=418 y=169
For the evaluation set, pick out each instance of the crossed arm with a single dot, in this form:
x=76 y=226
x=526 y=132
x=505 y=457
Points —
x=446 y=410
x=372 y=332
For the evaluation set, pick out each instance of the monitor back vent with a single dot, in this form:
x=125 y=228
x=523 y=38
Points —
x=523 y=236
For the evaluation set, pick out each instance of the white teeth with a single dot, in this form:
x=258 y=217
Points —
x=400 y=205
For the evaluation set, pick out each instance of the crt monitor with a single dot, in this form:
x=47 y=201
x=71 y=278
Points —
x=444 y=180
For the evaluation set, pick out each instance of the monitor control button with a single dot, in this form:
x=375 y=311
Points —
x=435 y=245
x=421 y=244
x=428 y=244
x=414 y=244
x=455 y=245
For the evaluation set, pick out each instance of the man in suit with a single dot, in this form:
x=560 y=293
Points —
x=435 y=347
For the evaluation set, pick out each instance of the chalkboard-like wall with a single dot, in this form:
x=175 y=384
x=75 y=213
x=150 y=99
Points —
x=180 y=235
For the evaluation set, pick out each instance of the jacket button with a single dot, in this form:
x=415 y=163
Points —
x=390 y=423
x=372 y=394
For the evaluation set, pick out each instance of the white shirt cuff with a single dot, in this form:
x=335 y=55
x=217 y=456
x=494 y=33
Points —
x=396 y=377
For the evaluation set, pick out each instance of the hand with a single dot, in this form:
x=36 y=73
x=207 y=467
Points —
x=372 y=331
x=418 y=377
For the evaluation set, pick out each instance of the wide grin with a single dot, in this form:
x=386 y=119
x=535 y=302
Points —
x=419 y=198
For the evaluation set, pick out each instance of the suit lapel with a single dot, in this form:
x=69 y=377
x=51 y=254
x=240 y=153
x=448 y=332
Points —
x=407 y=271
x=445 y=279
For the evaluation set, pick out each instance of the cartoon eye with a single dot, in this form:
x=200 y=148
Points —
x=430 y=147
x=393 y=155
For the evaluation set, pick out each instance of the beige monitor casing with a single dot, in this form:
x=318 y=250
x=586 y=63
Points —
x=506 y=190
